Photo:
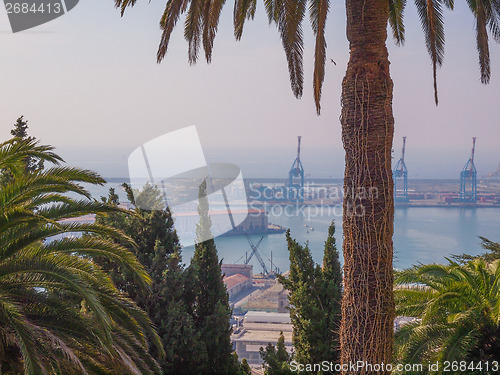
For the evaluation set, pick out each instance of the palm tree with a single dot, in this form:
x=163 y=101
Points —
x=59 y=312
x=367 y=128
x=458 y=315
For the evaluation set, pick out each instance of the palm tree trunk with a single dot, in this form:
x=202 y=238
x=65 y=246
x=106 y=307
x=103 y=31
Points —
x=367 y=130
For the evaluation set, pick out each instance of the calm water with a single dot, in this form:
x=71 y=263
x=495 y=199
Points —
x=420 y=234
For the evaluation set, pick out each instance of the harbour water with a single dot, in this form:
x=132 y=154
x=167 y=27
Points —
x=421 y=234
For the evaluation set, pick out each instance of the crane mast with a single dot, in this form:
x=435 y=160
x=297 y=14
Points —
x=468 y=178
x=400 y=177
x=295 y=188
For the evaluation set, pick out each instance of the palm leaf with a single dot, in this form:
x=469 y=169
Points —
x=318 y=13
x=211 y=17
x=456 y=312
x=243 y=10
x=193 y=28
x=57 y=306
x=288 y=16
x=173 y=10
x=431 y=17
x=396 y=12
x=123 y=4
x=482 y=42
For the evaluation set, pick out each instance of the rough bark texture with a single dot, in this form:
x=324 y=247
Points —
x=367 y=131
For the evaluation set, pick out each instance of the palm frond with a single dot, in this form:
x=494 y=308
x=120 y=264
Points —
x=431 y=17
x=456 y=309
x=482 y=42
x=243 y=10
x=211 y=15
x=318 y=10
x=123 y=4
x=288 y=16
x=494 y=18
x=173 y=10
x=396 y=13
x=58 y=308
x=193 y=28
x=25 y=338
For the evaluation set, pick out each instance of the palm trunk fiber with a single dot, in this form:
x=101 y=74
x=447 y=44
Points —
x=366 y=332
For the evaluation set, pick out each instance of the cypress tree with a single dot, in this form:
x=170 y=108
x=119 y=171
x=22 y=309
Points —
x=276 y=358
x=167 y=302
x=490 y=256
x=304 y=304
x=20 y=130
x=245 y=367
x=211 y=311
x=31 y=164
x=330 y=297
x=315 y=297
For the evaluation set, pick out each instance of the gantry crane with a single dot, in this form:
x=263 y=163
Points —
x=295 y=186
x=468 y=178
x=400 y=174
x=255 y=251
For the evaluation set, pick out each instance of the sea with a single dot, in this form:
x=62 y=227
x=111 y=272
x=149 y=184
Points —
x=421 y=234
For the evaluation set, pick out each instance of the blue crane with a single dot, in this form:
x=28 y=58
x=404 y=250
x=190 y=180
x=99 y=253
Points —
x=295 y=187
x=468 y=178
x=400 y=174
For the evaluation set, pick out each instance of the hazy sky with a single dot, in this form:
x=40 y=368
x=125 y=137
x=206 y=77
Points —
x=89 y=84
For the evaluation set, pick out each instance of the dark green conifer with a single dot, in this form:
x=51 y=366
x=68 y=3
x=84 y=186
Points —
x=330 y=297
x=167 y=302
x=32 y=165
x=211 y=311
x=276 y=358
x=492 y=254
x=245 y=367
x=315 y=297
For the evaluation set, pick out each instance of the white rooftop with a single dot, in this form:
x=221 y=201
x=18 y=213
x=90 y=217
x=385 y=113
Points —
x=267 y=317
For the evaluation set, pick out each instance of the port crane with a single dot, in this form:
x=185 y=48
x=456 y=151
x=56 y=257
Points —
x=296 y=177
x=255 y=252
x=400 y=173
x=253 y=246
x=468 y=178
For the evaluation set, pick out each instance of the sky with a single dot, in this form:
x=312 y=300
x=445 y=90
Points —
x=88 y=83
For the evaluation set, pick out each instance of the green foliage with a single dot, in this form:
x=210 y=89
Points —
x=168 y=302
x=20 y=128
x=240 y=368
x=315 y=297
x=245 y=367
x=29 y=163
x=276 y=358
x=492 y=254
x=211 y=311
x=457 y=313
x=60 y=313
x=330 y=297
x=189 y=307
x=20 y=131
x=202 y=19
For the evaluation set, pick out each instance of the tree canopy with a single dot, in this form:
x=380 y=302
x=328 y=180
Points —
x=60 y=312
x=315 y=297
x=456 y=311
